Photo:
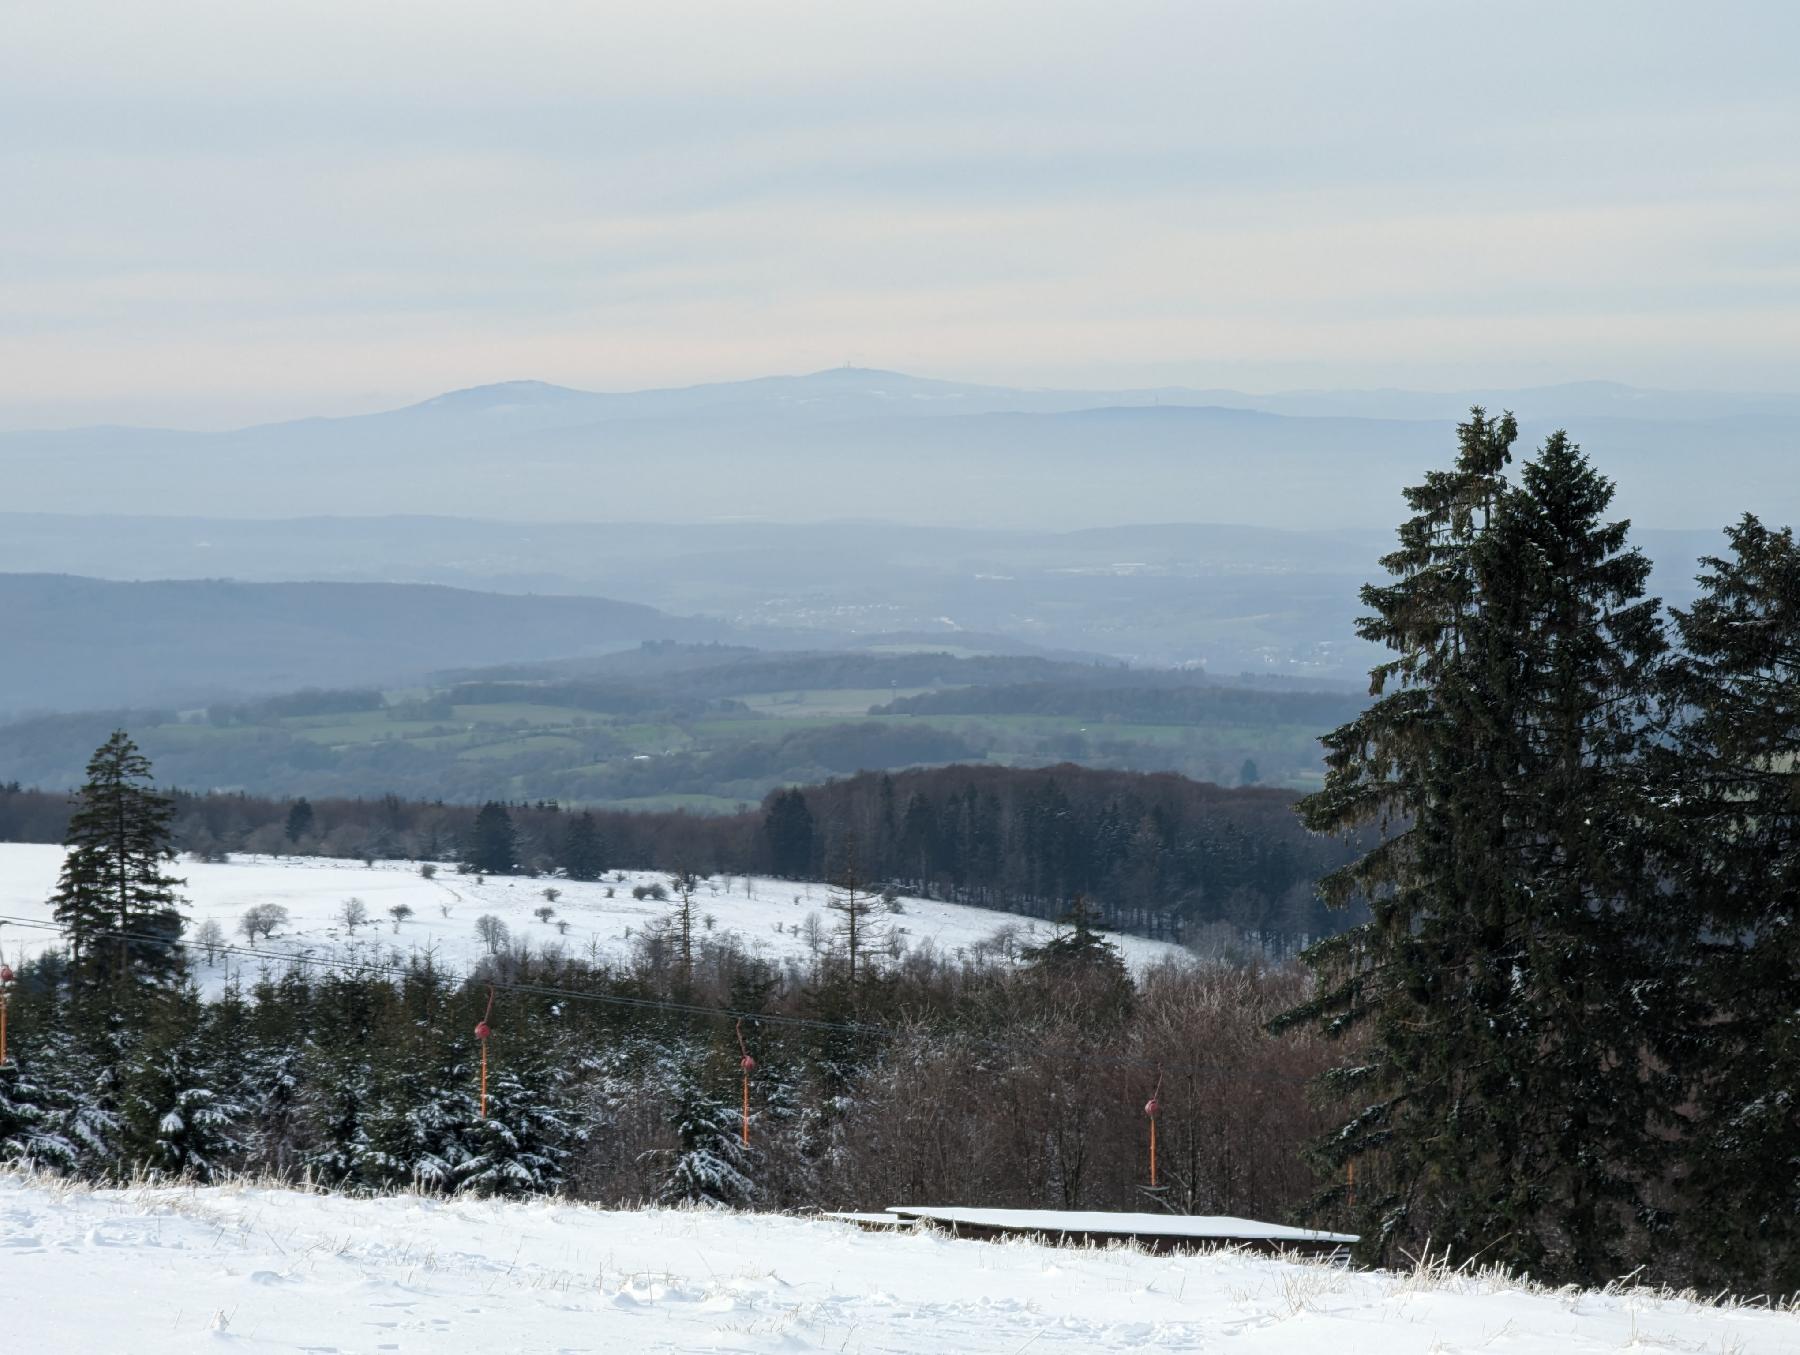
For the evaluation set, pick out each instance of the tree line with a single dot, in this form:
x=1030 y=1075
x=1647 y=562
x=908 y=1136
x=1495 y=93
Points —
x=1155 y=853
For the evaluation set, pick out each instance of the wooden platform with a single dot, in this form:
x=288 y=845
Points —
x=875 y=1223
x=1154 y=1232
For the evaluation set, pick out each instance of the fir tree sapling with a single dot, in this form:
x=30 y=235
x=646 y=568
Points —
x=710 y=1164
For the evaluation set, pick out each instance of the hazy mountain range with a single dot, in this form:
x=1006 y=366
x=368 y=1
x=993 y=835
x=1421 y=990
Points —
x=855 y=443
x=845 y=508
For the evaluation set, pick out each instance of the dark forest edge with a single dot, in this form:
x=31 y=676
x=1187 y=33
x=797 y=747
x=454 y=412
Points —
x=1155 y=853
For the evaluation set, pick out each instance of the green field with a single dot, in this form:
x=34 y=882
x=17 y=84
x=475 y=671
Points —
x=707 y=755
x=523 y=743
x=850 y=704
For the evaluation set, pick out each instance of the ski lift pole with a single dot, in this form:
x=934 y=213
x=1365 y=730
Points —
x=482 y=1031
x=746 y=1065
x=6 y=978
x=1150 y=1109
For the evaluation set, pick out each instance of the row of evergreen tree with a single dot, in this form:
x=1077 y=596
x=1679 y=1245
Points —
x=1159 y=853
x=1576 y=999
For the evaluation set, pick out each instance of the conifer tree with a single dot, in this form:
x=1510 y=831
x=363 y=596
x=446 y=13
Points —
x=418 y=1135
x=177 y=1120
x=710 y=1164
x=1395 y=768
x=1575 y=997
x=272 y=1102
x=855 y=903
x=115 y=904
x=299 y=820
x=343 y=1093
x=788 y=829
x=273 y=1069
x=493 y=847
x=1501 y=980
x=29 y=1120
x=583 y=857
x=1732 y=786
x=530 y=1129
x=73 y=1083
x=1079 y=949
x=680 y=921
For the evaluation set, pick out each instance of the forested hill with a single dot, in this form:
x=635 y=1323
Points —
x=194 y=640
x=1156 y=853
x=706 y=727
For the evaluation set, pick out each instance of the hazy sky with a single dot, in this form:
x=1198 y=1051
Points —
x=218 y=212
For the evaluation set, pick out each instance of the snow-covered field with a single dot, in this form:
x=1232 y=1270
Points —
x=259 y=1270
x=770 y=919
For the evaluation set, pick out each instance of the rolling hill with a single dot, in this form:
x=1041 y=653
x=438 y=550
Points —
x=76 y=643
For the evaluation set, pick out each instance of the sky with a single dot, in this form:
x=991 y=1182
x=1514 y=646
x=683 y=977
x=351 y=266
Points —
x=219 y=213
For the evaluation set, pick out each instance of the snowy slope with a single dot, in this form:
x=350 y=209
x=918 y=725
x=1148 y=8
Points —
x=257 y=1270
x=767 y=919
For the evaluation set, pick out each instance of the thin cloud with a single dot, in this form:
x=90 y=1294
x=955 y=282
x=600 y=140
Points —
x=219 y=212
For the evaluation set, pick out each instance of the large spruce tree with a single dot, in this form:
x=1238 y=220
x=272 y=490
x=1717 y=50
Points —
x=1496 y=1104
x=1732 y=779
x=493 y=845
x=117 y=906
x=1575 y=993
x=788 y=829
x=583 y=853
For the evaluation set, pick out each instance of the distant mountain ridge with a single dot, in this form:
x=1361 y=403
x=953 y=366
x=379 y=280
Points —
x=864 y=392
x=860 y=443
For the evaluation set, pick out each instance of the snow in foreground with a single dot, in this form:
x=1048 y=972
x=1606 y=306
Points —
x=769 y=917
x=180 y=1269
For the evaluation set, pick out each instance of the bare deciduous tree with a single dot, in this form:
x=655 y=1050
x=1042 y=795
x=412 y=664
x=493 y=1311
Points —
x=262 y=920
x=210 y=936
x=493 y=932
